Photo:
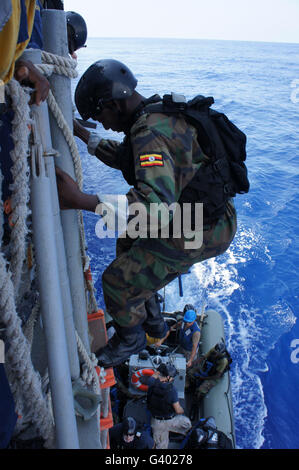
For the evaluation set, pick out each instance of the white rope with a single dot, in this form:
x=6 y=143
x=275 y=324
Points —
x=30 y=323
x=57 y=64
x=61 y=65
x=66 y=66
x=24 y=381
x=68 y=135
x=92 y=305
x=20 y=173
x=89 y=374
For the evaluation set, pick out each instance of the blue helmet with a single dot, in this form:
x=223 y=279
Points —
x=190 y=316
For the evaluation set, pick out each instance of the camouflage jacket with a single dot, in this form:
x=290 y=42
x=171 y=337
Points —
x=165 y=154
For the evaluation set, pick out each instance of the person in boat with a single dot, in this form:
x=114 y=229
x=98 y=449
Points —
x=162 y=401
x=209 y=370
x=126 y=436
x=205 y=435
x=159 y=157
x=156 y=342
x=189 y=335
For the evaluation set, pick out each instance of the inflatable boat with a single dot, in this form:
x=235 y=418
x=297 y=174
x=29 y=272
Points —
x=214 y=413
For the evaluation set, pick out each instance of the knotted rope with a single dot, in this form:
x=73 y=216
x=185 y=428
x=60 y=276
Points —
x=66 y=66
x=24 y=381
x=20 y=172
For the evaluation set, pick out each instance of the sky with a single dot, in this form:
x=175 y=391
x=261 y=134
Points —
x=243 y=20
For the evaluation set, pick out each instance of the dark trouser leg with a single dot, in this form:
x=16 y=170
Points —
x=140 y=270
x=128 y=283
x=124 y=343
x=154 y=325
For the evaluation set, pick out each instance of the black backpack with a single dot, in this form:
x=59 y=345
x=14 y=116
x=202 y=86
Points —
x=213 y=369
x=226 y=174
x=203 y=436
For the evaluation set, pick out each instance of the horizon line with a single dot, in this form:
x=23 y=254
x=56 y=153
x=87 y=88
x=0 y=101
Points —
x=193 y=39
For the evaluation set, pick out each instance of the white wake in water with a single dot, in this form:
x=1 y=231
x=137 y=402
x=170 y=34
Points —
x=251 y=331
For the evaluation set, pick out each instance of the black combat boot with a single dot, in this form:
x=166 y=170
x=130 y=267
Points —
x=124 y=343
x=154 y=325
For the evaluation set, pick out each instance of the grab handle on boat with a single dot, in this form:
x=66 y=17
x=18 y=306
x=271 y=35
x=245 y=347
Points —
x=86 y=402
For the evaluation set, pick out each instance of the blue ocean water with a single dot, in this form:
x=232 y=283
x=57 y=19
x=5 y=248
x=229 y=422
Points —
x=254 y=285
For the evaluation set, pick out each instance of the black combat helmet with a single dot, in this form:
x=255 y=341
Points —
x=198 y=437
x=76 y=30
x=129 y=426
x=188 y=307
x=220 y=347
x=167 y=370
x=103 y=81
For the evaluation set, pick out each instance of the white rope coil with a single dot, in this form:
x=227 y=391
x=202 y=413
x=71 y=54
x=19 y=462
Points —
x=25 y=383
x=68 y=135
x=24 y=380
x=20 y=172
x=89 y=375
x=66 y=66
x=57 y=64
x=62 y=65
x=28 y=328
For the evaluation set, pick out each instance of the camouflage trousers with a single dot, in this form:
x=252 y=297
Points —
x=206 y=386
x=202 y=386
x=145 y=265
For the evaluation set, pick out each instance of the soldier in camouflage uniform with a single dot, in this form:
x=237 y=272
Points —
x=159 y=157
x=208 y=370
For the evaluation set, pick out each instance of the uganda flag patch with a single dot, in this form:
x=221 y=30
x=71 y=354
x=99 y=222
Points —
x=151 y=159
